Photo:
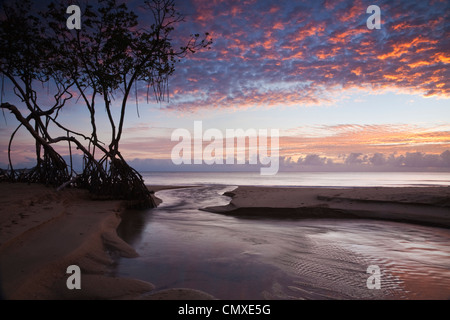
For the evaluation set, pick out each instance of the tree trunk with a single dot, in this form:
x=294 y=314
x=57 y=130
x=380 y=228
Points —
x=108 y=178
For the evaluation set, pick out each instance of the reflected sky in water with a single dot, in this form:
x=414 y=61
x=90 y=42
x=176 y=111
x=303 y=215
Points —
x=236 y=258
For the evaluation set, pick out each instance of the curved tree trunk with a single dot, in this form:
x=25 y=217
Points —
x=108 y=178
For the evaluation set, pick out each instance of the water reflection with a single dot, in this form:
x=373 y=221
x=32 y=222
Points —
x=132 y=226
x=232 y=258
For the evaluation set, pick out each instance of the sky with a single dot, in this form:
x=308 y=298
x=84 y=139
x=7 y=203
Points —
x=337 y=91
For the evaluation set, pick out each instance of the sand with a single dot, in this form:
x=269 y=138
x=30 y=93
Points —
x=420 y=205
x=42 y=232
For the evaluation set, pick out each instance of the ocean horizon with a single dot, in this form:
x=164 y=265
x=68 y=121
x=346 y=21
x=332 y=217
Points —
x=300 y=179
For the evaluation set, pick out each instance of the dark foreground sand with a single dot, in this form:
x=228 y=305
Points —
x=42 y=232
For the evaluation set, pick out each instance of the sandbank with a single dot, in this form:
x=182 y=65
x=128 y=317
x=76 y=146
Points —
x=420 y=205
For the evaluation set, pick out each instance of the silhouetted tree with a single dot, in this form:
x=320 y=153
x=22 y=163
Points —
x=101 y=64
x=25 y=60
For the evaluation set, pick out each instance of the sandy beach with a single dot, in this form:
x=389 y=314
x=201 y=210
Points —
x=42 y=232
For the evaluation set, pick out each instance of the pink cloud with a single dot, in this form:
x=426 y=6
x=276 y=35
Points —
x=314 y=46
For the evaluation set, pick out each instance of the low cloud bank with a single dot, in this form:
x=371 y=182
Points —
x=411 y=161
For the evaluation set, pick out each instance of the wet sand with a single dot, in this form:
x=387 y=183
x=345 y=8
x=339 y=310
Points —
x=42 y=232
x=263 y=256
x=428 y=206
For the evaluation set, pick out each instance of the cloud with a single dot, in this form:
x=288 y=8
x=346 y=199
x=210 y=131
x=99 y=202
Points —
x=355 y=160
x=316 y=162
x=332 y=140
x=325 y=141
x=312 y=160
x=299 y=53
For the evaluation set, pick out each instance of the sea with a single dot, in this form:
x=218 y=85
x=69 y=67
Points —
x=301 y=179
x=181 y=246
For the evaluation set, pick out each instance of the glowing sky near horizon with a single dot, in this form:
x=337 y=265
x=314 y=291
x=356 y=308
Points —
x=309 y=68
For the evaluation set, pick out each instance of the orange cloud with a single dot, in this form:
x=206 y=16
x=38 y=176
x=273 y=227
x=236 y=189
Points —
x=329 y=141
x=311 y=29
x=327 y=48
x=343 y=139
x=350 y=14
x=398 y=49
